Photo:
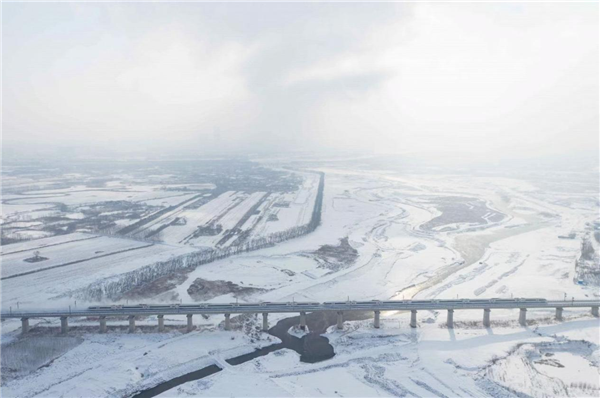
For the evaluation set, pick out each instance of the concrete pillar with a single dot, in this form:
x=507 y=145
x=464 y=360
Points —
x=303 y=320
x=413 y=318
x=450 y=319
x=64 y=325
x=161 y=323
x=376 y=319
x=227 y=322
x=190 y=323
x=24 y=325
x=102 y=324
x=265 y=326
x=559 y=311
x=523 y=317
x=486 y=317
x=595 y=311
x=340 y=319
x=131 y=323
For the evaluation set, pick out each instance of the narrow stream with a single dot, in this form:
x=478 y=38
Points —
x=167 y=385
x=312 y=347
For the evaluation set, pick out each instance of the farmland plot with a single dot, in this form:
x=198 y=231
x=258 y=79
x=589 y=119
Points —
x=208 y=213
x=65 y=254
x=230 y=220
x=169 y=200
x=14 y=209
x=43 y=243
x=164 y=220
x=288 y=210
x=59 y=282
x=85 y=196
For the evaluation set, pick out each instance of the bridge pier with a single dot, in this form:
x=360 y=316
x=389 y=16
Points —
x=450 y=319
x=486 y=317
x=131 y=323
x=558 y=315
x=340 y=319
x=24 y=325
x=523 y=317
x=227 y=322
x=303 y=320
x=413 y=318
x=190 y=323
x=265 y=325
x=101 y=313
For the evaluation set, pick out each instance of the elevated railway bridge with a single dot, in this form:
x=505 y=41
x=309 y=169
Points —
x=302 y=308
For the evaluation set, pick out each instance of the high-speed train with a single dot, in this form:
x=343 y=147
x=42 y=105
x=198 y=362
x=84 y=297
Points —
x=312 y=304
x=197 y=306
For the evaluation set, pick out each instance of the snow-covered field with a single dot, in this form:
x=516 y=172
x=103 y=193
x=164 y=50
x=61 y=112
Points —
x=416 y=235
x=232 y=213
x=64 y=254
x=226 y=211
x=40 y=244
x=193 y=218
x=117 y=364
x=430 y=361
x=290 y=209
x=72 y=263
x=74 y=197
x=395 y=360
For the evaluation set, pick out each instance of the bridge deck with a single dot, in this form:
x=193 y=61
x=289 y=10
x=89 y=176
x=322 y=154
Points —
x=296 y=307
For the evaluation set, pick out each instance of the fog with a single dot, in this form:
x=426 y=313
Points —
x=480 y=80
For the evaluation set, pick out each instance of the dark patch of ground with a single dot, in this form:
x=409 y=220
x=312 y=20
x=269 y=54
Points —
x=587 y=267
x=336 y=257
x=458 y=209
x=550 y=362
x=35 y=259
x=158 y=286
x=202 y=289
x=28 y=354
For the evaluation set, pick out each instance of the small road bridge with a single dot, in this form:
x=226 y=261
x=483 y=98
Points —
x=266 y=308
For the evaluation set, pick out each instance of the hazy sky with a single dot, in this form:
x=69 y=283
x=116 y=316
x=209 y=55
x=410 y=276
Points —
x=483 y=78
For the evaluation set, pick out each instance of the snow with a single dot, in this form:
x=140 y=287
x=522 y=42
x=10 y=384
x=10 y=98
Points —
x=195 y=218
x=298 y=212
x=28 y=234
x=114 y=364
x=63 y=254
x=587 y=372
x=42 y=243
x=395 y=361
x=9 y=209
x=83 y=267
x=78 y=196
x=170 y=200
x=381 y=213
x=230 y=219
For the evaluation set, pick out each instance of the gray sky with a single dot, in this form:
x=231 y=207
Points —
x=407 y=77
